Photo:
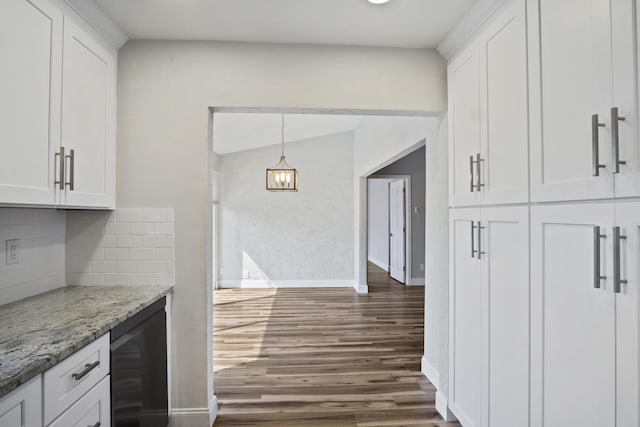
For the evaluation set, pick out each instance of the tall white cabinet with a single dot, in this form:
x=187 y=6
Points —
x=57 y=112
x=544 y=227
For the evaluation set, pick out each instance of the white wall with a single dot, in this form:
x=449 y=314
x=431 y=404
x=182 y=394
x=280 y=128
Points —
x=378 y=222
x=164 y=90
x=41 y=252
x=436 y=307
x=414 y=165
x=288 y=239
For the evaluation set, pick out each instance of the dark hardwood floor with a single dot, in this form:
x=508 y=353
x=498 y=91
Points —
x=322 y=357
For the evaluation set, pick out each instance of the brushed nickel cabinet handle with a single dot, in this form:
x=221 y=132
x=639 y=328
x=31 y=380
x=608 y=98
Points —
x=478 y=170
x=96 y=424
x=595 y=144
x=473 y=244
x=479 y=250
x=87 y=368
x=72 y=167
x=472 y=185
x=597 y=276
x=615 y=139
x=617 y=281
x=61 y=159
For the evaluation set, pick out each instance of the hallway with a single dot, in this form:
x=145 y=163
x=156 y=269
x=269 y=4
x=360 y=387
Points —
x=322 y=357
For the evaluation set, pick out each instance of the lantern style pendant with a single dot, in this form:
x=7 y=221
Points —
x=282 y=177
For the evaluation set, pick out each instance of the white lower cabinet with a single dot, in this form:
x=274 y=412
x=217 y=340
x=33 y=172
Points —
x=93 y=409
x=23 y=406
x=584 y=317
x=489 y=316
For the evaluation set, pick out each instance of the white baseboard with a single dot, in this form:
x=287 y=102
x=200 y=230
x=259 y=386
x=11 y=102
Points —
x=361 y=289
x=430 y=372
x=415 y=281
x=192 y=417
x=382 y=265
x=442 y=406
x=263 y=284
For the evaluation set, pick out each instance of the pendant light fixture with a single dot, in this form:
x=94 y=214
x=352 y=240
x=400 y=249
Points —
x=282 y=177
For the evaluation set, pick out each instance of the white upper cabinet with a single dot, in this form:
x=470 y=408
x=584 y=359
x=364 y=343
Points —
x=88 y=120
x=57 y=109
x=464 y=127
x=581 y=69
x=504 y=149
x=488 y=114
x=30 y=84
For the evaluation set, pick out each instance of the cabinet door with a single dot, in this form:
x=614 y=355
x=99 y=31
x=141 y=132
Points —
x=88 y=119
x=464 y=127
x=504 y=108
x=625 y=88
x=465 y=317
x=92 y=409
x=31 y=50
x=23 y=406
x=573 y=322
x=570 y=80
x=627 y=302
x=505 y=272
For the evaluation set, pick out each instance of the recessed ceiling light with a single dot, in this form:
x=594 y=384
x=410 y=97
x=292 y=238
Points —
x=378 y=1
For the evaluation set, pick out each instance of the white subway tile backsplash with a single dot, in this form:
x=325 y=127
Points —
x=132 y=246
x=41 y=252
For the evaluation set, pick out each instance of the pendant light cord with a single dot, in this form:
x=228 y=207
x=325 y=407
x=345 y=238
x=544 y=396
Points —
x=282 y=134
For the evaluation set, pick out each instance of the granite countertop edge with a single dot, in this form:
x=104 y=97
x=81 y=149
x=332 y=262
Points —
x=41 y=365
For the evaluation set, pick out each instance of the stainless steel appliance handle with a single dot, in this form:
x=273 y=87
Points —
x=72 y=167
x=595 y=144
x=597 y=276
x=615 y=139
x=61 y=159
x=617 y=282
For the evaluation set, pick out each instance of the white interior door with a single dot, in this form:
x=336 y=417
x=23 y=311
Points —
x=570 y=80
x=627 y=303
x=505 y=273
x=573 y=323
x=31 y=49
x=397 y=230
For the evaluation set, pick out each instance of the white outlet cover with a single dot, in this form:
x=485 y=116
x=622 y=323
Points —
x=12 y=249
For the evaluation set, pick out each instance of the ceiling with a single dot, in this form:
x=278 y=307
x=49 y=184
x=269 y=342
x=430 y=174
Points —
x=234 y=132
x=399 y=23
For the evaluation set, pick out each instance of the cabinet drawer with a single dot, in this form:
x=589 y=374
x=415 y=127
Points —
x=22 y=407
x=93 y=409
x=70 y=379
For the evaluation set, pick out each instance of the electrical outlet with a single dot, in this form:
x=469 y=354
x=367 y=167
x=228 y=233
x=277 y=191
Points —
x=12 y=252
x=421 y=267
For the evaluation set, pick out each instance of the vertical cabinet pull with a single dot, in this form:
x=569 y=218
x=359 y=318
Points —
x=617 y=282
x=479 y=250
x=72 y=163
x=597 y=276
x=615 y=139
x=473 y=234
x=595 y=144
x=478 y=170
x=61 y=159
x=472 y=185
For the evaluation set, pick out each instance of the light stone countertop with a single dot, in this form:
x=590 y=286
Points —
x=38 y=332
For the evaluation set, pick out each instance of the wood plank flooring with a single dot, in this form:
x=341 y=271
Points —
x=322 y=357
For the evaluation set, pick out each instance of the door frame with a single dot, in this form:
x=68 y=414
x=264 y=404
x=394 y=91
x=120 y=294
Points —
x=407 y=221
